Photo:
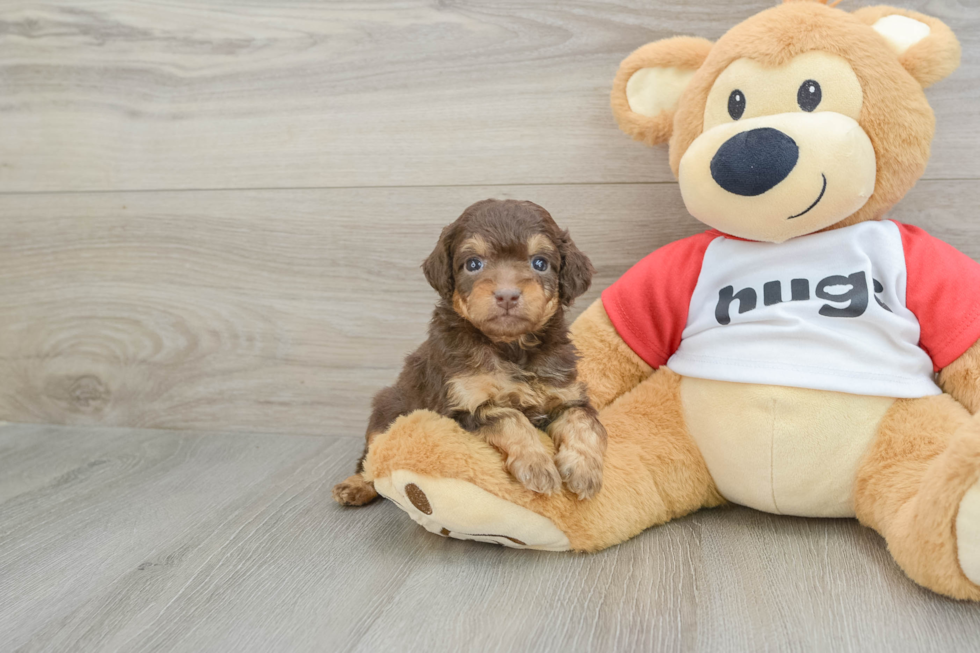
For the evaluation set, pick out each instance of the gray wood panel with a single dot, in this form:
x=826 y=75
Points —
x=276 y=311
x=266 y=310
x=136 y=540
x=158 y=94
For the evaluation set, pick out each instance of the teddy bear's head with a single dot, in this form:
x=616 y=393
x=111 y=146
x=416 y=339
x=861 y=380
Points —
x=802 y=118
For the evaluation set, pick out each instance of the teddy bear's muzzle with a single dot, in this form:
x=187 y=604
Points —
x=776 y=177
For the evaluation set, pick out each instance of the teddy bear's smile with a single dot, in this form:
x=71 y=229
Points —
x=815 y=202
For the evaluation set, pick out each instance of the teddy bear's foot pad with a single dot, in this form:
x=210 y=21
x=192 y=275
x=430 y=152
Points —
x=454 y=508
x=968 y=534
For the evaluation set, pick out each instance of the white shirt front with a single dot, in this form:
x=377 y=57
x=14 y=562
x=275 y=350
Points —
x=826 y=311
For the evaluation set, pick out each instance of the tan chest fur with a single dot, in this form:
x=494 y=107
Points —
x=509 y=388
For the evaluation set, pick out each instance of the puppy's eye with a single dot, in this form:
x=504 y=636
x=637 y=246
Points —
x=736 y=104
x=809 y=95
x=539 y=263
x=473 y=265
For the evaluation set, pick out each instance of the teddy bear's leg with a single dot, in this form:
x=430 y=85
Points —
x=918 y=487
x=455 y=484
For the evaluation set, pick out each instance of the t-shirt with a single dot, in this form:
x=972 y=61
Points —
x=872 y=309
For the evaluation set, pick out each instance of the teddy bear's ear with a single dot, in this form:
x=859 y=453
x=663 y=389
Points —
x=649 y=85
x=925 y=46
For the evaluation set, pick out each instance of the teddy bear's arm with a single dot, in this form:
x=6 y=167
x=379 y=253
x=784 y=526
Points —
x=961 y=379
x=607 y=365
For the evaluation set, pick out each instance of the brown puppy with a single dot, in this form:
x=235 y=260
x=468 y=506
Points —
x=498 y=359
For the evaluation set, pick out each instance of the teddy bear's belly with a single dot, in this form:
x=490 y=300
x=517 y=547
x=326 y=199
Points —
x=785 y=450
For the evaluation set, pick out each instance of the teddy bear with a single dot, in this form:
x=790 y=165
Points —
x=804 y=355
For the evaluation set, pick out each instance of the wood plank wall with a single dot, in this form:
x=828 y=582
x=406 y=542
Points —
x=212 y=213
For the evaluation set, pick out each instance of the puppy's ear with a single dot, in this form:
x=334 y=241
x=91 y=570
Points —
x=438 y=267
x=576 y=272
x=649 y=84
x=924 y=45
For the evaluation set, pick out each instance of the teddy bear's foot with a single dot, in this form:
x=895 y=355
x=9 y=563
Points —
x=457 y=509
x=968 y=534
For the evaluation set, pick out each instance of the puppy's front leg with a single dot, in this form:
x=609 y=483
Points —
x=580 y=439
x=527 y=459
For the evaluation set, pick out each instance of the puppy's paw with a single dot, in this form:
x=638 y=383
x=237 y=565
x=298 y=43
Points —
x=581 y=440
x=581 y=469
x=535 y=471
x=354 y=491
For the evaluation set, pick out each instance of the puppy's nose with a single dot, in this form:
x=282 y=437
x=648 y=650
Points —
x=752 y=162
x=507 y=298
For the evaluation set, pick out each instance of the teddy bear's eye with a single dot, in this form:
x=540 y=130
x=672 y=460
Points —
x=809 y=95
x=736 y=104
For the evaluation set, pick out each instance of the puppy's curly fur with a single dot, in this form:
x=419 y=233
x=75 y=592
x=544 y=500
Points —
x=498 y=358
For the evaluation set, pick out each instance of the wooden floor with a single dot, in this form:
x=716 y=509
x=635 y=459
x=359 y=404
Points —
x=212 y=216
x=141 y=540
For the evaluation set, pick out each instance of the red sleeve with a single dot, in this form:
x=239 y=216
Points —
x=649 y=304
x=943 y=291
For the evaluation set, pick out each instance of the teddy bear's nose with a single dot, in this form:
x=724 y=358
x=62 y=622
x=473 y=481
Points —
x=752 y=162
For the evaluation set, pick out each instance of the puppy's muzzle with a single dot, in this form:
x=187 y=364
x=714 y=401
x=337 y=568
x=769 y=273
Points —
x=507 y=298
